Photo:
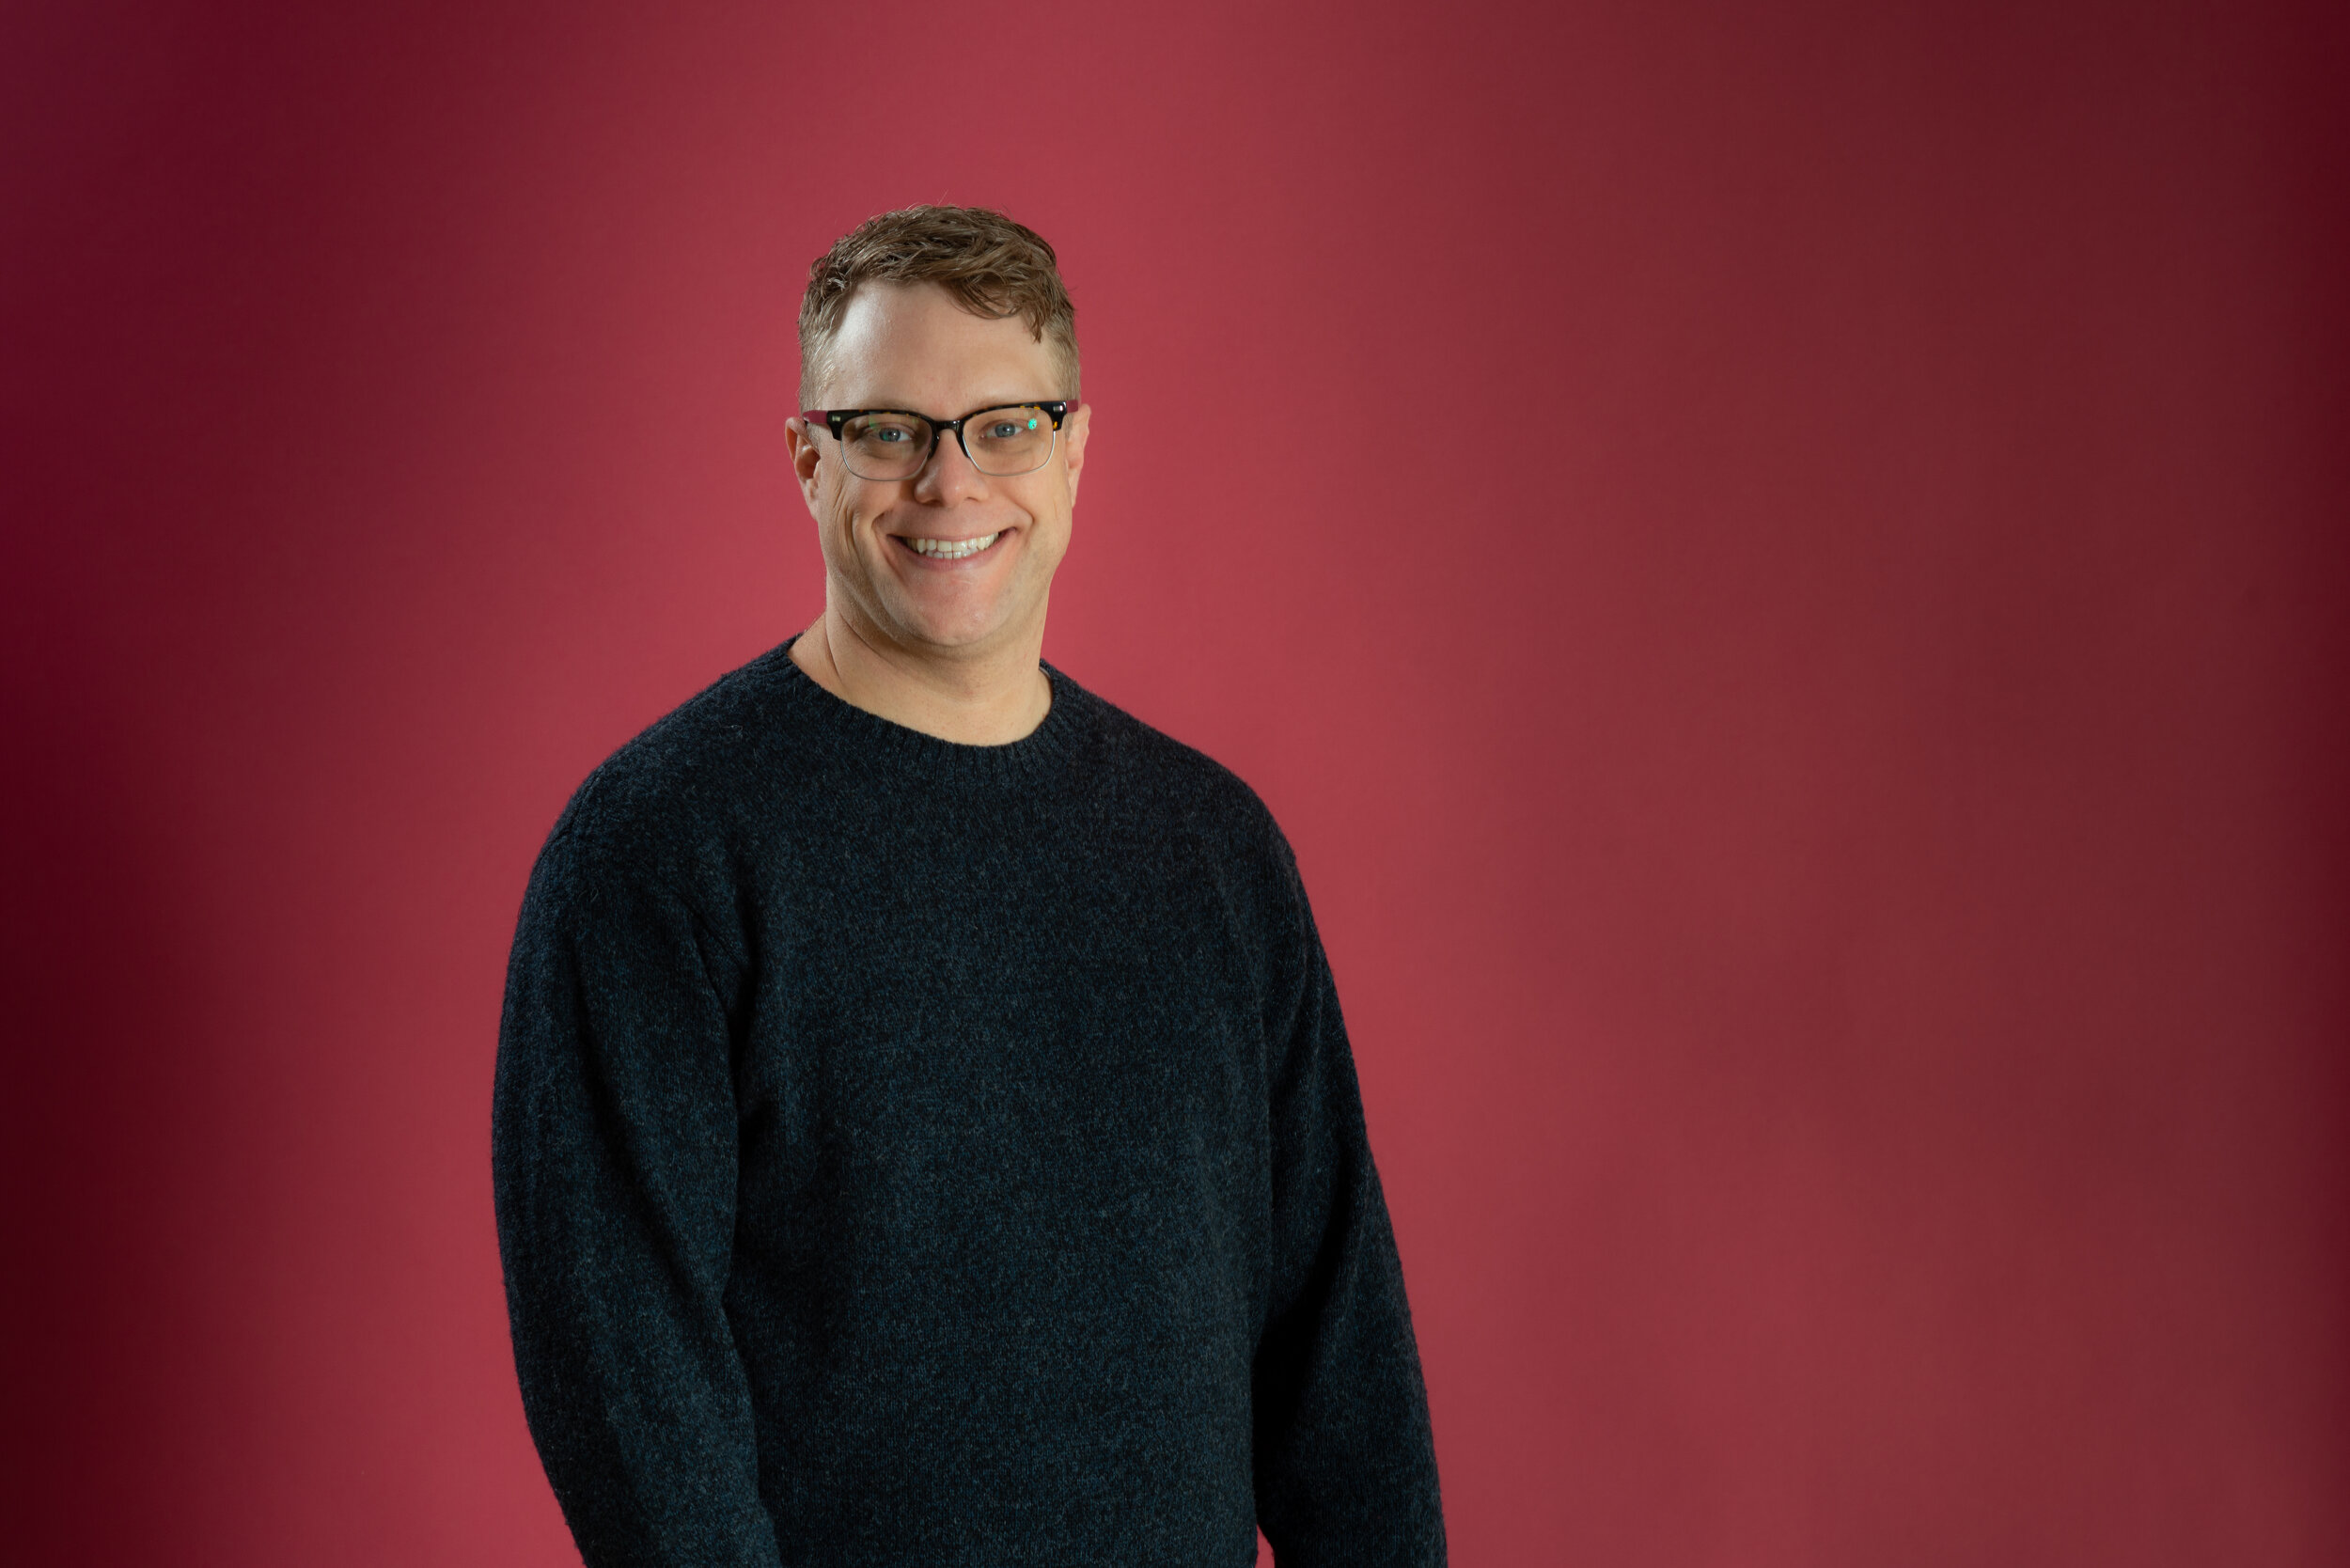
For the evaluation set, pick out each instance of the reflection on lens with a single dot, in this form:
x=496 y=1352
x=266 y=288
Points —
x=1008 y=441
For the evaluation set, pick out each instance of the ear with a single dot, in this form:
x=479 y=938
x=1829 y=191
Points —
x=801 y=442
x=1073 y=444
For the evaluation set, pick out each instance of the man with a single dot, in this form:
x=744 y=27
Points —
x=924 y=1128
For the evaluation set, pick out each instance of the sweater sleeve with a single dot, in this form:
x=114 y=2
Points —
x=1345 y=1462
x=614 y=1151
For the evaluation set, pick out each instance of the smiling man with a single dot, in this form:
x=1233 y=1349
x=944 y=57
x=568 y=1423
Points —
x=925 y=1132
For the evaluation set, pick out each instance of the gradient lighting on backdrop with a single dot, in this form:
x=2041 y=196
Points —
x=1786 y=587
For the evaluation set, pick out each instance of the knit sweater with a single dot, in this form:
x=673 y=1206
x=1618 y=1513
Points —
x=915 y=1152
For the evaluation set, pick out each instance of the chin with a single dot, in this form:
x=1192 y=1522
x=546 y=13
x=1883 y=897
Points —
x=951 y=631
x=960 y=626
x=961 y=638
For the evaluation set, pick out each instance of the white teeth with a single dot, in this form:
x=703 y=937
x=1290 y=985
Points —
x=953 y=549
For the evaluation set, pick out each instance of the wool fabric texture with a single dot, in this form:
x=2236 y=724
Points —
x=913 y=1153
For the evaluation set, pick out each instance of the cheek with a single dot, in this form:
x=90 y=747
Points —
x=838 y=518
x=1058 y=507
x=841 y=507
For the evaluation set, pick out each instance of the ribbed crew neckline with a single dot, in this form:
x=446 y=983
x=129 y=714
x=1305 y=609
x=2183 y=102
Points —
x=1040 y=750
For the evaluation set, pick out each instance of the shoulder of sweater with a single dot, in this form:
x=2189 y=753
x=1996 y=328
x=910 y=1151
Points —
x=677 y=779
x=1255 y=870
x=1174 y=776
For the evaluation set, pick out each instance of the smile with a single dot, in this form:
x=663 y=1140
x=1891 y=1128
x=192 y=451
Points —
x=952 y=549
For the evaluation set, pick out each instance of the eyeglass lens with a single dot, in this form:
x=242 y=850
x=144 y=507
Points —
x=1001 y=442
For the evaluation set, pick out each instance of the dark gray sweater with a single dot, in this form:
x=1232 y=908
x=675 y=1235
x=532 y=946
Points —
x=913 y=1152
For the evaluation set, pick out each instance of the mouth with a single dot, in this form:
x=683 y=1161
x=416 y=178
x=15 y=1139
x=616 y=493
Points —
x=949 y=549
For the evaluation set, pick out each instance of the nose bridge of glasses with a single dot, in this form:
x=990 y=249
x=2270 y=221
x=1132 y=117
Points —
x=938 y=442
x=943 y=426
x=935 y=455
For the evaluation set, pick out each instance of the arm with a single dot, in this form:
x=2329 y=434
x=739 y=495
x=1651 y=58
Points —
x=1346 y=1466
x=613 y=1149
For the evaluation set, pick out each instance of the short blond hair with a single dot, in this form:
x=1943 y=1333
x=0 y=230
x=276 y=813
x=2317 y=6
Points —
x=990 y=265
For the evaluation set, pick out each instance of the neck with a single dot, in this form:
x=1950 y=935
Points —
x=990 y=698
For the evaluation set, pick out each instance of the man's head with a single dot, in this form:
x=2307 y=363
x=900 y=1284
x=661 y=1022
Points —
x=942 y=312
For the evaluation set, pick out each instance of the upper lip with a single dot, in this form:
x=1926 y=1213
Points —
x=948 y=539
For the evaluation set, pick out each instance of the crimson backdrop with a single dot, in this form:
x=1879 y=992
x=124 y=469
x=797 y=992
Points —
x=1780 y=566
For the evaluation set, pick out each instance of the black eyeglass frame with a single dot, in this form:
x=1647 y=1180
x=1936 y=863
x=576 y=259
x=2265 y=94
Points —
x=1058 y=408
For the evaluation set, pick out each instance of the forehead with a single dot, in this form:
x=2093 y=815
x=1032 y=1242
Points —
x=911 y=345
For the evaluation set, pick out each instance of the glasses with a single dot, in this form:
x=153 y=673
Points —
x=893 y=444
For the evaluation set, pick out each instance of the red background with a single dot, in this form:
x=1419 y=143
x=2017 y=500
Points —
x=1786 y=587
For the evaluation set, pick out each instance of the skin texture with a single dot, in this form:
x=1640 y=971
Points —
x=948 y=647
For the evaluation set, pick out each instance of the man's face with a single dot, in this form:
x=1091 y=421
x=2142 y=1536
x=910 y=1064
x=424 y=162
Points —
x=913 y=348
